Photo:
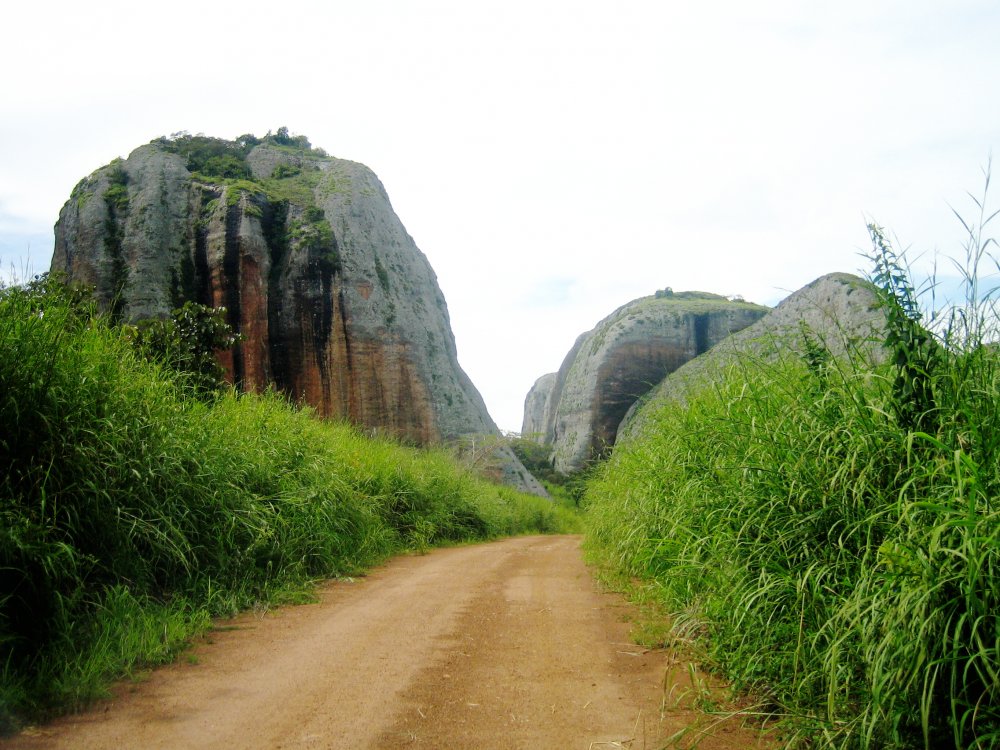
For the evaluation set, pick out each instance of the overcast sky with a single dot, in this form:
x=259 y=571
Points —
x=554 y=159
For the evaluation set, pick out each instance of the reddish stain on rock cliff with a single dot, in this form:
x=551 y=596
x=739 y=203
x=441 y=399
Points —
x=336 y=305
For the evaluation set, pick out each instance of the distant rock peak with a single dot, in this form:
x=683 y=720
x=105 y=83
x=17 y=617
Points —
x=839 y=311
x=578 y=409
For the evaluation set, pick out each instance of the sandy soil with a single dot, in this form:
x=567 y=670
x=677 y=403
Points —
x=503 y=645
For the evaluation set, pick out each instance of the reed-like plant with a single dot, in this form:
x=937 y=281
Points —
x=829 y=527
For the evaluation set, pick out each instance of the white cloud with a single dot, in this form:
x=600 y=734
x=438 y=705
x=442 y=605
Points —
x=553 y=159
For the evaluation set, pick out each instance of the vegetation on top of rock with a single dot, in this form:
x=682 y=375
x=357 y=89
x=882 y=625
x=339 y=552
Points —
x=668 y=293
x=220 y=161
x=220 y=158
x=284 y=138
x=117 y=191
x=213 y=157
x=685 y=301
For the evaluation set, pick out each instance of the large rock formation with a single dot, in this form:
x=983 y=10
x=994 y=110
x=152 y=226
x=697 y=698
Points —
x=538 y=407
x=839 y=311
x=338 y=306
x=577 y=410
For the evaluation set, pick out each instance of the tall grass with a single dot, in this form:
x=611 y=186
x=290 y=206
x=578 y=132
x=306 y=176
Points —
x=829 y=530
x=131 y=511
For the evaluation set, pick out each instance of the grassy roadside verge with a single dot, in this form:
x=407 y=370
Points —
x=827 y=530
x=132 y=510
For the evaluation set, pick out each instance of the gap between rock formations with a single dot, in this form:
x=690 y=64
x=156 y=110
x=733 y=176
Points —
x=509 y=644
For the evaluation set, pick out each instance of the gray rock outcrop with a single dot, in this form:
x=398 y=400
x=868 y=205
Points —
x=537 y=407
x=577 y=410
x=840 y=311
x=338 y=306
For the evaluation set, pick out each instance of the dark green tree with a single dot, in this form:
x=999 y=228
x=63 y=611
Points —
x=187 y=342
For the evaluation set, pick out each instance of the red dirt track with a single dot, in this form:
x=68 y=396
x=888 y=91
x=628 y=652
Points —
x=503 y=645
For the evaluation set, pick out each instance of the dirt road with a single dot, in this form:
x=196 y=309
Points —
x=502 y=645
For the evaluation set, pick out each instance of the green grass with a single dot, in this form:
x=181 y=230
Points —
x=131 y=511
x=828 y=529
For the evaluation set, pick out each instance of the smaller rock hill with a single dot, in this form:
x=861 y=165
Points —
x=839 y=311
x=578 y=409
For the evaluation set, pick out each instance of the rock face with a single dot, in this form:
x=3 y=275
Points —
x=839 y=310
x=577 y=410
x=338 y=306
x=536 y=407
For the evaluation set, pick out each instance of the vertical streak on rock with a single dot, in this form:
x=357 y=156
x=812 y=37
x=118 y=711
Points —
x=227 y=288
x=701 y=340
x=629 y=371
x=329 y=288
x=345 y=377
x=202 y=274
x=253 y=313
x=274 y=230
x=313 y=334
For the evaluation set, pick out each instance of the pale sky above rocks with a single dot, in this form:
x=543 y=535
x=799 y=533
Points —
x=553 y=159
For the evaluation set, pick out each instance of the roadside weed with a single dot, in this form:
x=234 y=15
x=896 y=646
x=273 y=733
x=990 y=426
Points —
x=828 y=527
